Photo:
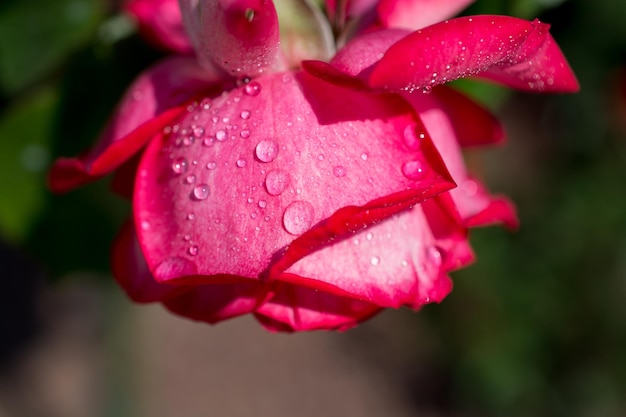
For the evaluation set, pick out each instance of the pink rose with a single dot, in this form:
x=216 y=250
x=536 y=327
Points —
x=271 y=175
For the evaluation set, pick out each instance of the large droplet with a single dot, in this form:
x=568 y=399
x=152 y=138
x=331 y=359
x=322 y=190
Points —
x=179 y=165
x=298 y=217
x=201 y=191
x=276 y=181
x=174 y=267
x=252 y=89
x=413 y=170
x=266 y=150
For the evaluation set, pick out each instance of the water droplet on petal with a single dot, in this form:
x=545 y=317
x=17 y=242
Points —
x=427 y=89
x=245 y=133
x=364 y=156
x=198 y=132
x=180 y=165
x=190 y=179
x=208 y=142
x=298 y=217
x=193 y=250
x=252 y=89
x=434 y=256
x=375 y=260
x=410 y=138
x=174 y=267
x=245 y=114
x=241 y=163
x=201 y=192
x=145 y=225
x=211 y=165
x=191 y=216
x=339 y=171
x=221 y=135
x=262 y=203
x=413 y=170
x=266 y=150
x=276 y=181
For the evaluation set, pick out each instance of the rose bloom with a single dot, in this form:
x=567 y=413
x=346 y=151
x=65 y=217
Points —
x=304 y=164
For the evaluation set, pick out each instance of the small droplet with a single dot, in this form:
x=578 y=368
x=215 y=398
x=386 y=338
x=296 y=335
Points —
x=413 y=170
x=193 y=250
x=241 y=163
x=339 y=171
x=208 y=141
x=434 y=256
x=427 y=89
x=198 y=132
x=211 y=165
x=298 y=217
x=245 y=114
x=369 y=236
x=245 y=133
x=364 y=156
x=145 y=225
x=180 y=165
x=221 y=135
x=276 y=181
x=201 y=192
x=190 y=179
x=266 y=150
x=262 y=203
x=252 y=89
x=375 y=260
x=191 y=216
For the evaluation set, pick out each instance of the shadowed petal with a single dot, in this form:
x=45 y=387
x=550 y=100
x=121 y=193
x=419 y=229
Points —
x=161 y=23
x=156 y=98
x=416 y=14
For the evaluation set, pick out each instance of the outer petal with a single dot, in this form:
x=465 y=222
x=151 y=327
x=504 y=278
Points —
x=241 y=36
x=156 y=98
x=393 y=263
x=470 y=197
x=276 y=159
x=416 y=14
x=294 y=308
x=161 y=23
x=513 y=51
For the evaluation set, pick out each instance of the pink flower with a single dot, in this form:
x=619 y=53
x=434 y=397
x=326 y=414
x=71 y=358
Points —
x=270 y=177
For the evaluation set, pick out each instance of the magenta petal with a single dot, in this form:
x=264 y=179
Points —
x=513 y=51
x=154 y=100
x=393 y=263
x=131 y=272
x=294 y=308
x=270 y=162
x=416 y=14
x=240 y=36
x=161 y=23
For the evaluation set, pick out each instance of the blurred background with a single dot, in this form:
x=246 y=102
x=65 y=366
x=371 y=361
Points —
x=537 y=327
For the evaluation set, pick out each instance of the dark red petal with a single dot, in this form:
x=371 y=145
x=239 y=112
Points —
x=294 y=308
x=513 y=51
x=156 y=98
x=131 y=272
x=161 y=23
x=277 y=158
x=473 y=124
x=416 y=14
x=214 y=303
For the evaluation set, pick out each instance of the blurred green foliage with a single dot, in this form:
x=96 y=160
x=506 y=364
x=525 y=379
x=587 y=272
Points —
x=535 y=328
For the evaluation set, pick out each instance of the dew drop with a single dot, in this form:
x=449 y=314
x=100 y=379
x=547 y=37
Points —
x=252 y=89
x=201 y=191
x=174 y=267
x=339 y=171
x=193 y=250
x=276 y=181
x=191 y=216
x=298 y=217
x=369 y=236
x=208 y=142
x=245 y=133
x=262 y=203
x=190 y=179
x=266 y=150
x=413 y=170
x=220 y=135
x=145 y=225
x=427 y=89
x=180 y=165
x=241 y=163
x=211 y=165
x=364 y=156
x=245 y=114
x=375 y=260
x=198 y=132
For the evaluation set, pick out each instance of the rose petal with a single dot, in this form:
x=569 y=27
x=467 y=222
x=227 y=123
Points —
x=155 y=99
x=240 y=36
x=161 y=23
x=512 y=51
x=416 y=14
x=295 y=308
x=272 y=160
